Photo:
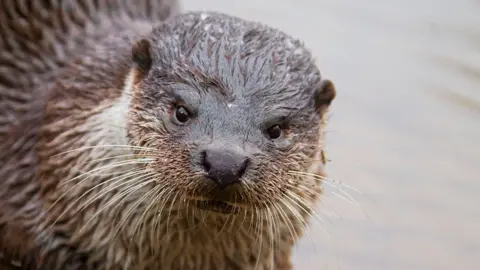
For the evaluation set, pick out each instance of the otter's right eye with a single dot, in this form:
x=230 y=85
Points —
x=274 y=132
x=181 y=114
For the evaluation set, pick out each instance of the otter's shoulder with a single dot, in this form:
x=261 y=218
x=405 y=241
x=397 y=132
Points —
x=39 y=37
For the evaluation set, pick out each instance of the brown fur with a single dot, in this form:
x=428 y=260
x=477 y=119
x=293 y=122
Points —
x=60 y=93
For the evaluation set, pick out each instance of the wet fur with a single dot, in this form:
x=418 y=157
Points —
x=95 y=92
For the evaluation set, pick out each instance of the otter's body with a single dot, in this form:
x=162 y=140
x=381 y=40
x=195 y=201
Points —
x=122 y=128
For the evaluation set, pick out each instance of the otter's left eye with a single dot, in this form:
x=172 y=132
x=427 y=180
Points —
x=181 y=114
x=274 y=132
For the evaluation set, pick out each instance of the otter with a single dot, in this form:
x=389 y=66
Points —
x=138 y=136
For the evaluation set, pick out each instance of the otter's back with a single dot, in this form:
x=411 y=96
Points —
x=37 y=37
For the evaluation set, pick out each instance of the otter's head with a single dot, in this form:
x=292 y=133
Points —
x=232 y=109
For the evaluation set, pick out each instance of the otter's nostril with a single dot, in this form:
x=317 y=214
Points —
x=205 y=163
x=243 y=167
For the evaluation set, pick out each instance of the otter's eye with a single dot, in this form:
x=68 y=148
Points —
x=181 y=114
x=274 y=132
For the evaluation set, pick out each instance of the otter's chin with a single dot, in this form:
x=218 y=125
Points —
x=217 y=206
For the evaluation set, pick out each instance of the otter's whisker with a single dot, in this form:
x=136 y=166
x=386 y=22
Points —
x=346 y=196
x=275 y=220
x=115 y=164
x=123 y=195
x=283 y=216
x=80 y=182
x=71 y=205
x=270 y=234
x=294 y=198
x=252 y=215
x=301 y=201
x=170 y=211
x=298 y=201
x=147 y=209
x=187 y=206
x=260 y=246
x=223 y=226
x=294 y=211
x=301 y=219
x=156 y=216
x=165 y=200
x=326 y=180
x=307 y=189
x=110 y=166
x=232 y=223
x=144 y=156
x=107 y=190
x=161 y=202
x=130 y=212
x=106 y=146
x=244 y=213
x=347 y=199
x=270 y=223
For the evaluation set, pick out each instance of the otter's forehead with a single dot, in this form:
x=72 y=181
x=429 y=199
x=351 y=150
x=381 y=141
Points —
x=247 y=58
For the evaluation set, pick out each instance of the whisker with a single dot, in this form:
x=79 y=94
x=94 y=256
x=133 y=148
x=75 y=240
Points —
x=119 y=156
x=346 y=196
x=161 y=201
x=105 y=146
x=301 y=219
x=72 y=205
x=310 y=212
x=147 y=209
x=170 y=211
x=326 y=180
x=114 y=165
x=283 y=216
x=80 y=182
x=260 y=238
x=232 y=223
x=271 y=232
x=352 y=202
x=104 y=192
x=165 y=200
x=122 y=196
x=244 y=214
x=130 y=212
x=110 y=166
x=223 y=227
x=302 y=205
x=308 y=190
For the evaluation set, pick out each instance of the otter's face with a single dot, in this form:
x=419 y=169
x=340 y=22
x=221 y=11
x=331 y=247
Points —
x=234 y=110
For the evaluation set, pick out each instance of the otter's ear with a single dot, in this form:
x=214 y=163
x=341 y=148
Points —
x=142 y=56
x=324 y=95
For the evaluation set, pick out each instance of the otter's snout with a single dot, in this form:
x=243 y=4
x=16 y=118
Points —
x=224 y=167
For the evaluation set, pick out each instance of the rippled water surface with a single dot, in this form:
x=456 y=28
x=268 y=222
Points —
x=404 y=130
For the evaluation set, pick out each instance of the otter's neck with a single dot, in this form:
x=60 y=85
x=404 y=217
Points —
x=111 y=123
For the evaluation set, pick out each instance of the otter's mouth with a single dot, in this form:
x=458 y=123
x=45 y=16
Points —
x=217 y=206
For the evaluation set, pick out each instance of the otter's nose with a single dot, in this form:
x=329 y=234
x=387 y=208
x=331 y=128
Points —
x=224 y=167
